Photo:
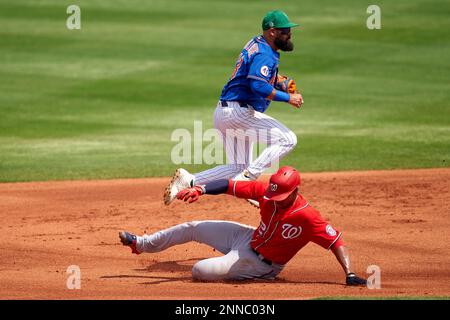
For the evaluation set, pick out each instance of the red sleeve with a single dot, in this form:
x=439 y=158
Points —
x=323 y=233
x=339 y=243
x=246 y=189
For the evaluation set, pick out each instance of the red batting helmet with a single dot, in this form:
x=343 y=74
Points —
x=282 y=183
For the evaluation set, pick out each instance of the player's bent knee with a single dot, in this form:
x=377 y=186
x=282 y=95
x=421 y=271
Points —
x=200 y=272
x=290 y=140
x=205 y=271
x=197 y=272
x=192 y=224
x=293 y=138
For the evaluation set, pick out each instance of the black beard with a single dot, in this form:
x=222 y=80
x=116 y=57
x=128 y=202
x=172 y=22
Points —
x=284 y=45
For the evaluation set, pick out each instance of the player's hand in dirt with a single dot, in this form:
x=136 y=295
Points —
x=296 y=100
x=353 y=280
x=190 y=194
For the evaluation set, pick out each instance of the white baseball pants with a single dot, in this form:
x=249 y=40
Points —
x=232 y=239
x=239 y=128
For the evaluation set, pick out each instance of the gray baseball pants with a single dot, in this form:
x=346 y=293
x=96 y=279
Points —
x=232 y=239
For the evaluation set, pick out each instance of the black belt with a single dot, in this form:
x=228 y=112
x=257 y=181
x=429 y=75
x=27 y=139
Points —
x=241 y=104
x=262 y=258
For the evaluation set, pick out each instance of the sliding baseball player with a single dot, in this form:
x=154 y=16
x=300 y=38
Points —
x=288 y=223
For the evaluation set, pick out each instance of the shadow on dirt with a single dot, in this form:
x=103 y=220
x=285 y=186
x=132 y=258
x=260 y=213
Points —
x=163 y=266
x=283 y=281
x=162 y=279
x=171 y=266
x=158 y=279
x=185 y=266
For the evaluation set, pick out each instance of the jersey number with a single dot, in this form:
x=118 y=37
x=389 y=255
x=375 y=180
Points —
x=236 y=68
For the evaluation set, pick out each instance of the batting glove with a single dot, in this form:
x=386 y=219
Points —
x=353 y=280
x=190 y=194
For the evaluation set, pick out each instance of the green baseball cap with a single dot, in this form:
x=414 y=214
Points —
x=277 y=19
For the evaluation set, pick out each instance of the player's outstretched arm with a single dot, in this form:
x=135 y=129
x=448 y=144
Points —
x=240 y=189
x=343 y=257
x=193 y=194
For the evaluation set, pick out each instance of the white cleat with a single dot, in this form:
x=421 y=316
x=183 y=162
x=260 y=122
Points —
x=245 y=176
x=181 y=180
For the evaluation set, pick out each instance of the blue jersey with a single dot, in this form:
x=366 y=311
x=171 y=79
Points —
x=257 y=61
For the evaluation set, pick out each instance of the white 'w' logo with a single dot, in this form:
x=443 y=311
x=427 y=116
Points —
x=290 y=231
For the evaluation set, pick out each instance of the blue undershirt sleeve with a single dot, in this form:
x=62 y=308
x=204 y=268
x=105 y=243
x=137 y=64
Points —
x=216 y=187
x=264 y=89
x=282 y=96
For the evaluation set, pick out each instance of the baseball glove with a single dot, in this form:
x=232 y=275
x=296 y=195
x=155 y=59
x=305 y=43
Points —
x=286 y=84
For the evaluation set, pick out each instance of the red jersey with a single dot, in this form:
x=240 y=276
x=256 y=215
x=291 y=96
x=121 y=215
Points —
x=283 y=232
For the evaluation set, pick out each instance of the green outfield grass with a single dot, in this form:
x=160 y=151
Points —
x=102 y=102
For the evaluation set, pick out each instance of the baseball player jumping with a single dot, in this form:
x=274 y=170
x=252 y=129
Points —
x=239 y=115
x=288 y=223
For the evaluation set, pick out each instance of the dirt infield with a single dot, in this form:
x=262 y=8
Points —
x=398 y=220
